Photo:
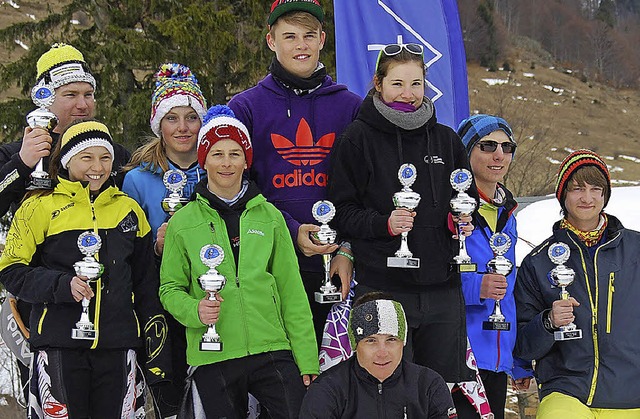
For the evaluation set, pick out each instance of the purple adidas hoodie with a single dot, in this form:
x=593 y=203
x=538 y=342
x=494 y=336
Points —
x=292 y=136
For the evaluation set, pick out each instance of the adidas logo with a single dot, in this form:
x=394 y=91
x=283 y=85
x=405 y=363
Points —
x=304 y=152
x=254 y=231
x=298 y=178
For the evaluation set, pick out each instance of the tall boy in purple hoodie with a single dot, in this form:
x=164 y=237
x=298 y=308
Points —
x=294 y=115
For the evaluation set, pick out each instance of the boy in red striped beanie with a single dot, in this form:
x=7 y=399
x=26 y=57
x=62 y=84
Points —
x=585 y=342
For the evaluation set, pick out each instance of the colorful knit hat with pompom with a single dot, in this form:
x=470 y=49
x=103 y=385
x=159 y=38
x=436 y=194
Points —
x=176 y=85
x=220 y=123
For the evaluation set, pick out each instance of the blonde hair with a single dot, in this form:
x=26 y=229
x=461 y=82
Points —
x=152 y=152
x=304 y=19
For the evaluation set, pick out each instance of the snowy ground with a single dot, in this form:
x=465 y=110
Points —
x=536 y=220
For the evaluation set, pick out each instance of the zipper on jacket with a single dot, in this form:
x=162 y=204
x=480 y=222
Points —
x=405 y=412
x=612 y=277
x=96 y=314
x=98 y=294
x=44 y=313
x=135 y=316
x=498 y=358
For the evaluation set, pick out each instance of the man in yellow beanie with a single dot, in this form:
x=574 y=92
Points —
x=63 y=71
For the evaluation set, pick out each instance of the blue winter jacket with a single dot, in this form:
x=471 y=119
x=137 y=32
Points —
x=147 y=189
x=601 y=369
x=492 y=349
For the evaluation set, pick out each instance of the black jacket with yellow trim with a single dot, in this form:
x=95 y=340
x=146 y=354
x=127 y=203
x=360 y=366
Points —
x=37 y=267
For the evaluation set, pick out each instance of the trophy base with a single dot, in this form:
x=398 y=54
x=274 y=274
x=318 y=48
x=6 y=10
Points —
x=560 y=335
x=83 y=334
x=211 y=346
x=463 y=267
x=329 y=297
x=396 y=262
x=496 y=325
x=39 y=183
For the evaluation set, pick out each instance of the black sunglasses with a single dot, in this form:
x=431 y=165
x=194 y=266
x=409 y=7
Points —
x=490 y=146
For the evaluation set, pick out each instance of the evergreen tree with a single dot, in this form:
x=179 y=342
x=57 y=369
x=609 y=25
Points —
x=124 y=42
x=607 y=13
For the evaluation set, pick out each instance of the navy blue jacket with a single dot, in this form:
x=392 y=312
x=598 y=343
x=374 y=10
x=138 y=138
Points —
x=601 y=368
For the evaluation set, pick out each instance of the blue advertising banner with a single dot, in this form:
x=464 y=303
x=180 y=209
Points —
x=363 y=27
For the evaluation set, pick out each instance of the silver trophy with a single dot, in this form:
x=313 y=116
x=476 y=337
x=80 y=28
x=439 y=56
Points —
x=323 y=212
x=174 y=180
x=562 y=276
x=500 y=244
x=462 y=204
x=89 y=244
x=405 y=199
x=43 y=95
x=211 y=281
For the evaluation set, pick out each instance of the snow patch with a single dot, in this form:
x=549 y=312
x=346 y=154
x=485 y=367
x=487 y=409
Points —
x=630 y=158
x=493 y=82
x=536 y=220
x=22 y=44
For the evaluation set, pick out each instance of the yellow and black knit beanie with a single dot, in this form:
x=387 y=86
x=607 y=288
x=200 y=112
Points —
x=63 y=64
x=81 y=136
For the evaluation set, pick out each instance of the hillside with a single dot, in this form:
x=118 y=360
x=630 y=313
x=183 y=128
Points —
x=552 y=110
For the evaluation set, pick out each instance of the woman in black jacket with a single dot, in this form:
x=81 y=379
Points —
x=397 y=125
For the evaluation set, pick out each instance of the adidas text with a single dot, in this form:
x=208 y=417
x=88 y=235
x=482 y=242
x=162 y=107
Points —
x=297 y=178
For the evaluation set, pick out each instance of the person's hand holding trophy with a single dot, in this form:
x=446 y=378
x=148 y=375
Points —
x=499 y=265
x=37 y=142
x=406 y=200
x=562 y=276
x=462 y=205
x=323 y=212
x=89 y=244
x=211 y=282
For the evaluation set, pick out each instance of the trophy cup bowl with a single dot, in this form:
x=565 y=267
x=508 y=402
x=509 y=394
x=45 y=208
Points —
x=211 y=282
x=323 y=212
x=500 y=265
x=89 y=244
x=45 y=119
x=174 y=180
x=406 y=199
x=326 y=235
x=562 y=276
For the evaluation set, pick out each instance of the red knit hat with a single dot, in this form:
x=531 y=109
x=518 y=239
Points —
x=220 y=123
x=575 y=161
